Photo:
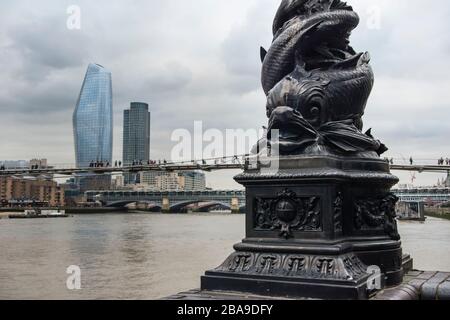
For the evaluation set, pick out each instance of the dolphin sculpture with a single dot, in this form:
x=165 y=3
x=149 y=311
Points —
x=311 y=73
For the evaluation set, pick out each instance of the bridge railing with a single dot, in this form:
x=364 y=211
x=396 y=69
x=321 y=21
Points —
x=222 y=163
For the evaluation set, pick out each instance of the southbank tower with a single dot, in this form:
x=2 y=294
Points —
x=136 y=136
x=136 y=133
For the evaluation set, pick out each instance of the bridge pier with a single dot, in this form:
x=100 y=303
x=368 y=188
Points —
x=165 y=205
x=447 y=181
x=235 y=208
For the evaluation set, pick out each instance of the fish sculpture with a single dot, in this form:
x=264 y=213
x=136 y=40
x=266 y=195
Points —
x=316 y=85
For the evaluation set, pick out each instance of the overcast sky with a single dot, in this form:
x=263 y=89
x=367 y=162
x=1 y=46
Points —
x=199 y=60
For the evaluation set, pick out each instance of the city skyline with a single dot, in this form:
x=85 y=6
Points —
x=214 y=70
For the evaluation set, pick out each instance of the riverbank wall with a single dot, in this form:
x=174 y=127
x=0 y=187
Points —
x=70 y=210
x=442 y=213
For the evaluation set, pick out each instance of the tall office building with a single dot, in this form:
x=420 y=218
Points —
x=93 y=118
x=93 y=125
x=136 y=137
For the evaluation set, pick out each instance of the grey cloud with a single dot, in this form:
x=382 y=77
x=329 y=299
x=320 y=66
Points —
x=51 y=96
x=411 y=38
x=38 y=46
x=172 y=77
x=240 y=50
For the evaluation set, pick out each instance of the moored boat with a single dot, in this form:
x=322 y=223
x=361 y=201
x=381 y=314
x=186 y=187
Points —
x=40 y=214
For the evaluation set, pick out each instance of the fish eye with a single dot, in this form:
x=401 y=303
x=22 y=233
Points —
x=315 y=111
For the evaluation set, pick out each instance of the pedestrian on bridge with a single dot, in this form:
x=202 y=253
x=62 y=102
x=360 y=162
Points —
x=411 y=161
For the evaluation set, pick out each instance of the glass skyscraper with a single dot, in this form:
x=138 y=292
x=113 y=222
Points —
x=136 y=136
x=136 y=133
x=93 y=118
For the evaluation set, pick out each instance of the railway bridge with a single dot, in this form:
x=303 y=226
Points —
x=171 y=201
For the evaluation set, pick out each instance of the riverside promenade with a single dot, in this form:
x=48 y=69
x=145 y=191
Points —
x=417 y=285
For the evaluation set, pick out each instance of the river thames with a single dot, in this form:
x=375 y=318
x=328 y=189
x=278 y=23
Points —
x=147 y=256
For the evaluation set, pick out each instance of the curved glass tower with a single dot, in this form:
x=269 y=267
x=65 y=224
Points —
x=93 y=118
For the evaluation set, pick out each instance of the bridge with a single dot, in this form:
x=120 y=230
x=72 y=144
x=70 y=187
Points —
x=179 y=201
x=115 y=170
x=234 y=200
x=228 y=163
x=171 y=201
x=224 y=163
x=427 y=195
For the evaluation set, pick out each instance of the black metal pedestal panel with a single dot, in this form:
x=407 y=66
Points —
x=313 y=227
x=287 y=289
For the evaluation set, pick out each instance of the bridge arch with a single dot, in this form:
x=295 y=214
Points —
x=121 y=204
x=207 y=206
x=178 y=207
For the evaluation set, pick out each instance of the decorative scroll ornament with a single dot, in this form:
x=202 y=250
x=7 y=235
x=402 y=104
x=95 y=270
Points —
x=347 y=267
x=338 y=212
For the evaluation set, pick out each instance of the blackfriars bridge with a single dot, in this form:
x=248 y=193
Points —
x=428 y=195
x=171 y=201
x=234 y=200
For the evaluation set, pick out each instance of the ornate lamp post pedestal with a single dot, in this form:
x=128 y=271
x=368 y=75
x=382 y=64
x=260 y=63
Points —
x=314 y=226
x=320 y=215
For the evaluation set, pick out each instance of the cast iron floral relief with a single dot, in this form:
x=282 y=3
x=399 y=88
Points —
x=377 y=213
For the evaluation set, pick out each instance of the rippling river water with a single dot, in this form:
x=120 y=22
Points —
x=140 y=256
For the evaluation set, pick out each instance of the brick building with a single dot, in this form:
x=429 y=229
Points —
x=40 y=189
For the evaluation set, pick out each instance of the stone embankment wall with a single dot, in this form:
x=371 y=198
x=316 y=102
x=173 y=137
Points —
x=443 y=213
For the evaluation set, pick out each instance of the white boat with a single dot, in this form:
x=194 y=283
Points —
x=35 y=214
x=53 y=212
